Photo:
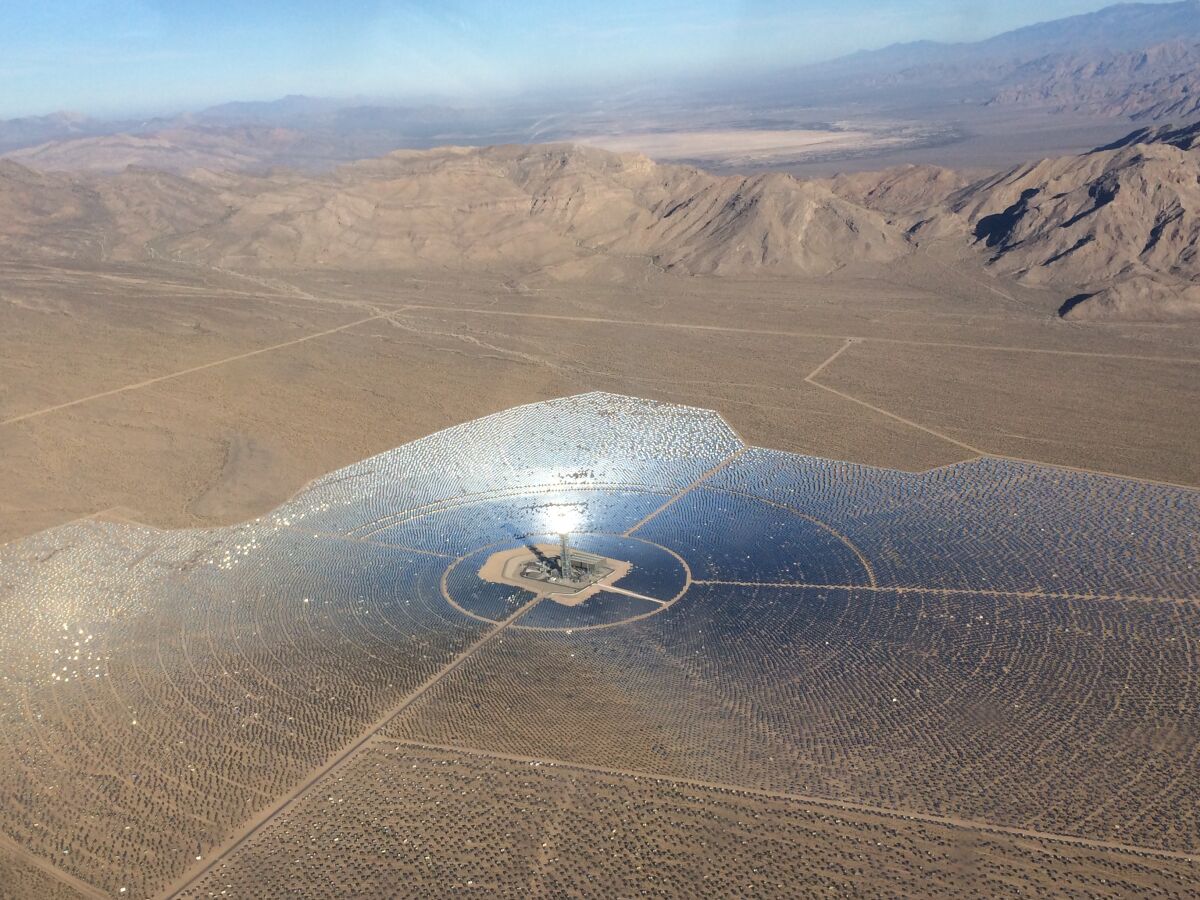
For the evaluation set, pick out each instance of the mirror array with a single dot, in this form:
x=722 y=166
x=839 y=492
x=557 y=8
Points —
x=404 y=820
x=993 y=645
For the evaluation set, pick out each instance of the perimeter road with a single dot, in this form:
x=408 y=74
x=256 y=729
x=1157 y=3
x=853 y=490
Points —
x=811 y=378
x=840 y=350
x=731 y=329
x=618 y=590
x=263 y=819
x=855 y=339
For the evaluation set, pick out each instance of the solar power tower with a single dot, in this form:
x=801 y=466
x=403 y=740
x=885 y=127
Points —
x=567 y=569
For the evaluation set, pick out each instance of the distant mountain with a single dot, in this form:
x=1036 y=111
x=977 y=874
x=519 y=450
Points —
x=1155 y=83
x=900 y=192
x=1115 y=231
x=59 y=216
x=1184 y=138
x=23 y=132
x=178 y=150
x=1135 y=60
x=1123 y=27
x=48 y=215
x=285 y=111
x=551 y=206
x=303 y=133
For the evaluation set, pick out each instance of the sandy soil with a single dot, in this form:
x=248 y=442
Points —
x=990 y=140
x=193 y=397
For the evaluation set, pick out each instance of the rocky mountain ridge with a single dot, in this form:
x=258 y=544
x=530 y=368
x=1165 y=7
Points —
x=1115 y=230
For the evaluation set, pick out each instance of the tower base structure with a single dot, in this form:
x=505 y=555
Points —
x=541 y=569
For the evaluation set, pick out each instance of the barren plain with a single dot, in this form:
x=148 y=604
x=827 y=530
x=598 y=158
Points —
x=185 y=396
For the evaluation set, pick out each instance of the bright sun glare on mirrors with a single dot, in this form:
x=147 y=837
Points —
x=563 y=518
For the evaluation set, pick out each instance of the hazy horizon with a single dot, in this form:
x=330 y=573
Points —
x=129 y=57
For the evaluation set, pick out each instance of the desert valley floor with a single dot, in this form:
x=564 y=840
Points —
x=184 y=396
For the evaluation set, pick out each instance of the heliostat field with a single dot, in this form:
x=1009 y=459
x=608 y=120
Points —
x=809 y=675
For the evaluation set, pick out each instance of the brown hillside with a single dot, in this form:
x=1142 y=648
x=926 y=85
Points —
x=1114 y=231
x=541 y=207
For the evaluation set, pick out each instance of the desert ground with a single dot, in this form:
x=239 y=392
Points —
x=182 y=396
x=970 y=139
x=973 y=139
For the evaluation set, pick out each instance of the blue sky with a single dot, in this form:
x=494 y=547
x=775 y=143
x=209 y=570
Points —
x=105 y=57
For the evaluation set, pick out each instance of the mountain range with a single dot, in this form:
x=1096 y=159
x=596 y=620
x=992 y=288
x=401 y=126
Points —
x=559 y=207
x=1113 y=231
x=1121 y=27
